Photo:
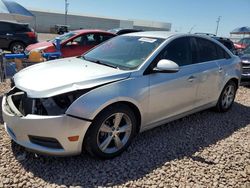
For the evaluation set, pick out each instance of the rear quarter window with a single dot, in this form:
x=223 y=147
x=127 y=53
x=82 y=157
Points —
x=5 y=27
x=21 y=28
x=207 y=50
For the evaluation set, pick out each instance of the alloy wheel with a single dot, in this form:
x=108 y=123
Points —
x=228 y=96
x=114 y=133
x=18 y=48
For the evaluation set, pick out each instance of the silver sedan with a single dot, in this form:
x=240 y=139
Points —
x=129 y=84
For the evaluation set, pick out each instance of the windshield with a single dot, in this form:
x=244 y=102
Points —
x=124 y=52
x=64 y=37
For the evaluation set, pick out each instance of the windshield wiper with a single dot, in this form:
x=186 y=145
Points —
x=99 y=62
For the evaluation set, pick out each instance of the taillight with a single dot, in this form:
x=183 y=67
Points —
x=31 y=34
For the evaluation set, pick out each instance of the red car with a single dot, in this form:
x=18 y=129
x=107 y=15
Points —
x=242 y=44
x=74 y=43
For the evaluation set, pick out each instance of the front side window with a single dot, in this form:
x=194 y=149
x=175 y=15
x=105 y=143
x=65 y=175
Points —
x=124 y=52
x=179 y=51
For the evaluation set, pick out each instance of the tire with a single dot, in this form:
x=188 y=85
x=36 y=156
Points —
x=227 y=97
x=17 y=47
x=107 y=139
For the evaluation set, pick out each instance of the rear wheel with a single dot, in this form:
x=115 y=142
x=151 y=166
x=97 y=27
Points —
x=17 y=47
x=111 y=132
x=227 y=97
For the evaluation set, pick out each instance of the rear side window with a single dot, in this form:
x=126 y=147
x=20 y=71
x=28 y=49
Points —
x=5 y=27
x=21 y=28
x=222 y=54
x=207 y=50
x=179 y=51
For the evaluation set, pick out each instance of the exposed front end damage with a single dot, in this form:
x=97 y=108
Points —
x=23 y=105
x=41 y=124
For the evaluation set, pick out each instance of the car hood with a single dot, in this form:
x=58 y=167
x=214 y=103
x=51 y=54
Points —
x=65 y=75
x=39 y=45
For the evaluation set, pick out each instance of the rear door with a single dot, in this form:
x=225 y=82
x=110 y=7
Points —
x=173 y=93
x=210 y=72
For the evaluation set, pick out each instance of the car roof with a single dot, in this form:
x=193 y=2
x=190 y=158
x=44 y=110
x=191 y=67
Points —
x=154 y=34
x=82 y=31
x=13 y=22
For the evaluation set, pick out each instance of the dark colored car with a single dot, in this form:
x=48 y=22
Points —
x=245 y=60
x=121 y=31
x=225 y=41
x=61 y=29
x=73 y=43
x=16 y=36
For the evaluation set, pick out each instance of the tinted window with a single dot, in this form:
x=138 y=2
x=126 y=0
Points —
x=179 y=51
x=20 y=28
x=106 y=37
x=222 y=54
x=5 y=27
x=207 y=50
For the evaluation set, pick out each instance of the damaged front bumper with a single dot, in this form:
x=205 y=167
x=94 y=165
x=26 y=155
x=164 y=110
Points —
x=47 y=134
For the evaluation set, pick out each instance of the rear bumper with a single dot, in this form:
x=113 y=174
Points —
x=56 y=127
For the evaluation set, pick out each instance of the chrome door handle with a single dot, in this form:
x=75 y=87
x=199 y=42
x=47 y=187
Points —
x=220 y=69
x=9 y=34
x=191 y=78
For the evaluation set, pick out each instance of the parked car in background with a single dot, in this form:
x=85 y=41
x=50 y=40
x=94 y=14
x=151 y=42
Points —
x=225 y=41
x=242 y=44
x=129 y=84
x=73 y=43
x=121 y=31
x=228 y=43
x=245 y=60
x=61 y=29
x=15 y=37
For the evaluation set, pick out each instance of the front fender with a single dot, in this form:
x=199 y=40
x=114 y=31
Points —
x=132 y=90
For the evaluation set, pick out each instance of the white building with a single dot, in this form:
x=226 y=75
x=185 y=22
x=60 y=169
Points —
x=46 y=21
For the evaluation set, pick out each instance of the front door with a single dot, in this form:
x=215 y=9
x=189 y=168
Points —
x=173 y=93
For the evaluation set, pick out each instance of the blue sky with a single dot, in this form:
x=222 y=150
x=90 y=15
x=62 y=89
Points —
x=183 y=14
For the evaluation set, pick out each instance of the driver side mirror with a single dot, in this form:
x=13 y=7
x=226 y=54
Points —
x=166 y=66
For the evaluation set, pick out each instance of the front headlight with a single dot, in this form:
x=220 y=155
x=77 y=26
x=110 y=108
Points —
x=246 y=61
x=51 y=106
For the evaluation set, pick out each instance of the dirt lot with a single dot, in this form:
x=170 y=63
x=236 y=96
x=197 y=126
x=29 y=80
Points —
x=207 y=149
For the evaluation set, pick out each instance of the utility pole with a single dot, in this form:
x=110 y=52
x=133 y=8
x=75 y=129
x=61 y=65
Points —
x=217 y=27
x=191 y=29
x=66 y=11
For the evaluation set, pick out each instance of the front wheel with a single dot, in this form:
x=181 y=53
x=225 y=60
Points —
x=111 y=132
x=227 y=97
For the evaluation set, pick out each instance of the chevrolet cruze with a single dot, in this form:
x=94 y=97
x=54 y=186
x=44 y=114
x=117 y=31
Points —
x=131 y=83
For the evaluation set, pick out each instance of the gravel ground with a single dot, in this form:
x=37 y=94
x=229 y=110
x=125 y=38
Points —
x=207 y=149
